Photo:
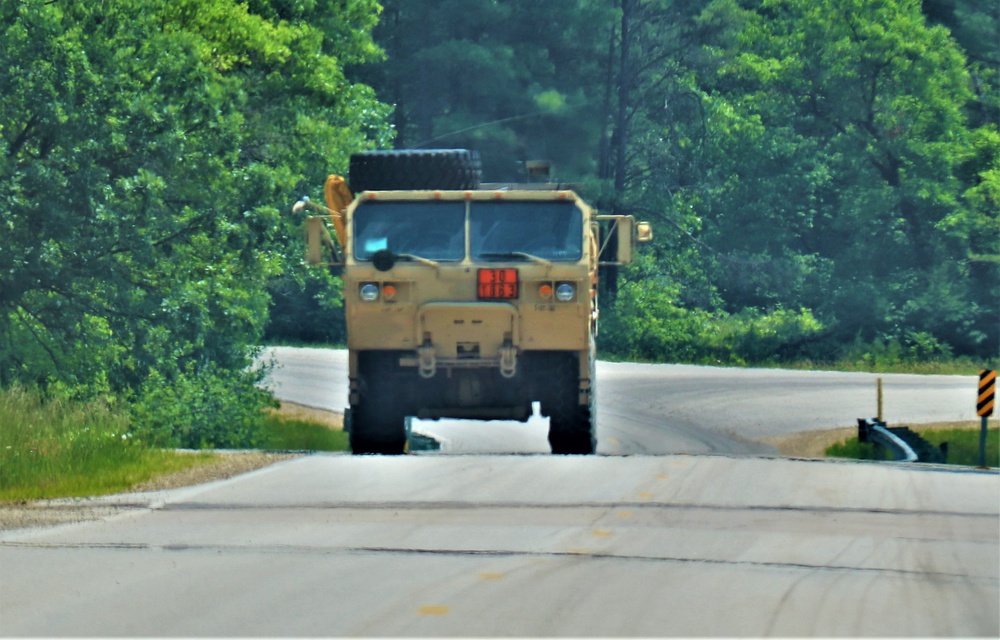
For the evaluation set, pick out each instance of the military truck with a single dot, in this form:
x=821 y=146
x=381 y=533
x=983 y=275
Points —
x=462 y=299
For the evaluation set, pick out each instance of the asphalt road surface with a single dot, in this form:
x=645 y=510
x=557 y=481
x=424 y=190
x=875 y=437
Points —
x=657 y=409
x=473 y=545
x=539 y=545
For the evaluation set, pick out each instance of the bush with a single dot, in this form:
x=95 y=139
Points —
x=645 y=323
x=911 y=348
x=206 y=408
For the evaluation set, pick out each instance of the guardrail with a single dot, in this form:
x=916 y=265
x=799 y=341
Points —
x=905 y=444
x=871 y=430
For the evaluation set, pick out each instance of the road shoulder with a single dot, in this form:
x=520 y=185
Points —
x=45 y=513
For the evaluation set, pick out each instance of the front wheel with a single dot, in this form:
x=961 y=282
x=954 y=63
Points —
x=572 y=428
x=376 y=425
x=376 y=432
x=573 y=435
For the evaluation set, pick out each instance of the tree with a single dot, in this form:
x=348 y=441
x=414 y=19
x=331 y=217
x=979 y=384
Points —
x=517 y=81
x=854 y=113
x=146 y=147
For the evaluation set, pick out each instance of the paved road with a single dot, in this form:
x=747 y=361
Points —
x=540 y=545
x=334 y=545
x=658 y=409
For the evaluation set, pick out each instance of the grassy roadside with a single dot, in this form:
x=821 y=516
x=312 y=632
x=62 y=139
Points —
x=59 y=448
x=840 y=441
x=962 y=439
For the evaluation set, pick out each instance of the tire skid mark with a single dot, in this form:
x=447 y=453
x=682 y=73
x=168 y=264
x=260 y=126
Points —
x=575 y=554
x=623 y=504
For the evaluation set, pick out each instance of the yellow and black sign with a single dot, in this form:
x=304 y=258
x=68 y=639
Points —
x=987 y=392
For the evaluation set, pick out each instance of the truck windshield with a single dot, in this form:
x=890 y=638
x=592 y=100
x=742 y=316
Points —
x=551 y=230
x=434 y=230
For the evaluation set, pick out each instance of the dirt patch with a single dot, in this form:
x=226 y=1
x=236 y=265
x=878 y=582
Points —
x=293 y=411
x=39 y=514
x=809 y=444
x=226 y=465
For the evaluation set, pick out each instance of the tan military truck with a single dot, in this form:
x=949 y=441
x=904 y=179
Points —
x=464 y=300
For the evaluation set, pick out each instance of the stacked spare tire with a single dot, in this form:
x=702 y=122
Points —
x=415 y=170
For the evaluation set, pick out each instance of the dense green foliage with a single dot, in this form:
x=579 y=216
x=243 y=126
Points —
x=823 y=175
x=820 y=172
x=147 y=149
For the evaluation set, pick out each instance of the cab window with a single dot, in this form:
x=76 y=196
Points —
x=432 y=230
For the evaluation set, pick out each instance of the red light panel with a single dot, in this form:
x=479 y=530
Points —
x=497 y=284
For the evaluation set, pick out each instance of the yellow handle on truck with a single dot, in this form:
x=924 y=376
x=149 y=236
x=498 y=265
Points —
x=338 y=196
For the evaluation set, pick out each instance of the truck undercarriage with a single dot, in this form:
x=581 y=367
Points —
x=386 y=391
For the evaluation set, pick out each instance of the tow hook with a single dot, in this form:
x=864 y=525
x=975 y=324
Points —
x=508 y=359
x=427 y=362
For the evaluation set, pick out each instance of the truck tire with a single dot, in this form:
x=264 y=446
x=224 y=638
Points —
x=417 y=169
x=374 y=431
x=572 y=428
x=377 y=425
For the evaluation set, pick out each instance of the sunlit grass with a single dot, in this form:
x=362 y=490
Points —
x=59 y=448
x=280 y=433
x=963 y=447
x=56 y=448
x=856 y=450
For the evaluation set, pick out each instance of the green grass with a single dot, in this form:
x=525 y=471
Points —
x=58 y=448
x=285 y=434
x=956 y=367
x=963 y=447
x=856 y=450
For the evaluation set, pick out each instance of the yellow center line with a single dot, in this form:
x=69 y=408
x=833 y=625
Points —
x=433 y=610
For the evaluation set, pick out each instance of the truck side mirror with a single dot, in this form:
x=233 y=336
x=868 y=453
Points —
x=622 y=234
x=626 y=227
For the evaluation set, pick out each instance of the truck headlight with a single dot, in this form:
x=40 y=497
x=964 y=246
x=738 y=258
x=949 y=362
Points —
x=369 y=292
x=565 y=292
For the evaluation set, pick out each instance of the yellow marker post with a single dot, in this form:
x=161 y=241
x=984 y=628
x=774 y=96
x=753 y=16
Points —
x=984 y=407
x=878 y=393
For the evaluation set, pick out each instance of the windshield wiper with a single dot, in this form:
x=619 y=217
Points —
x=384 y=259
x=514 y=254
x=420 y=259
